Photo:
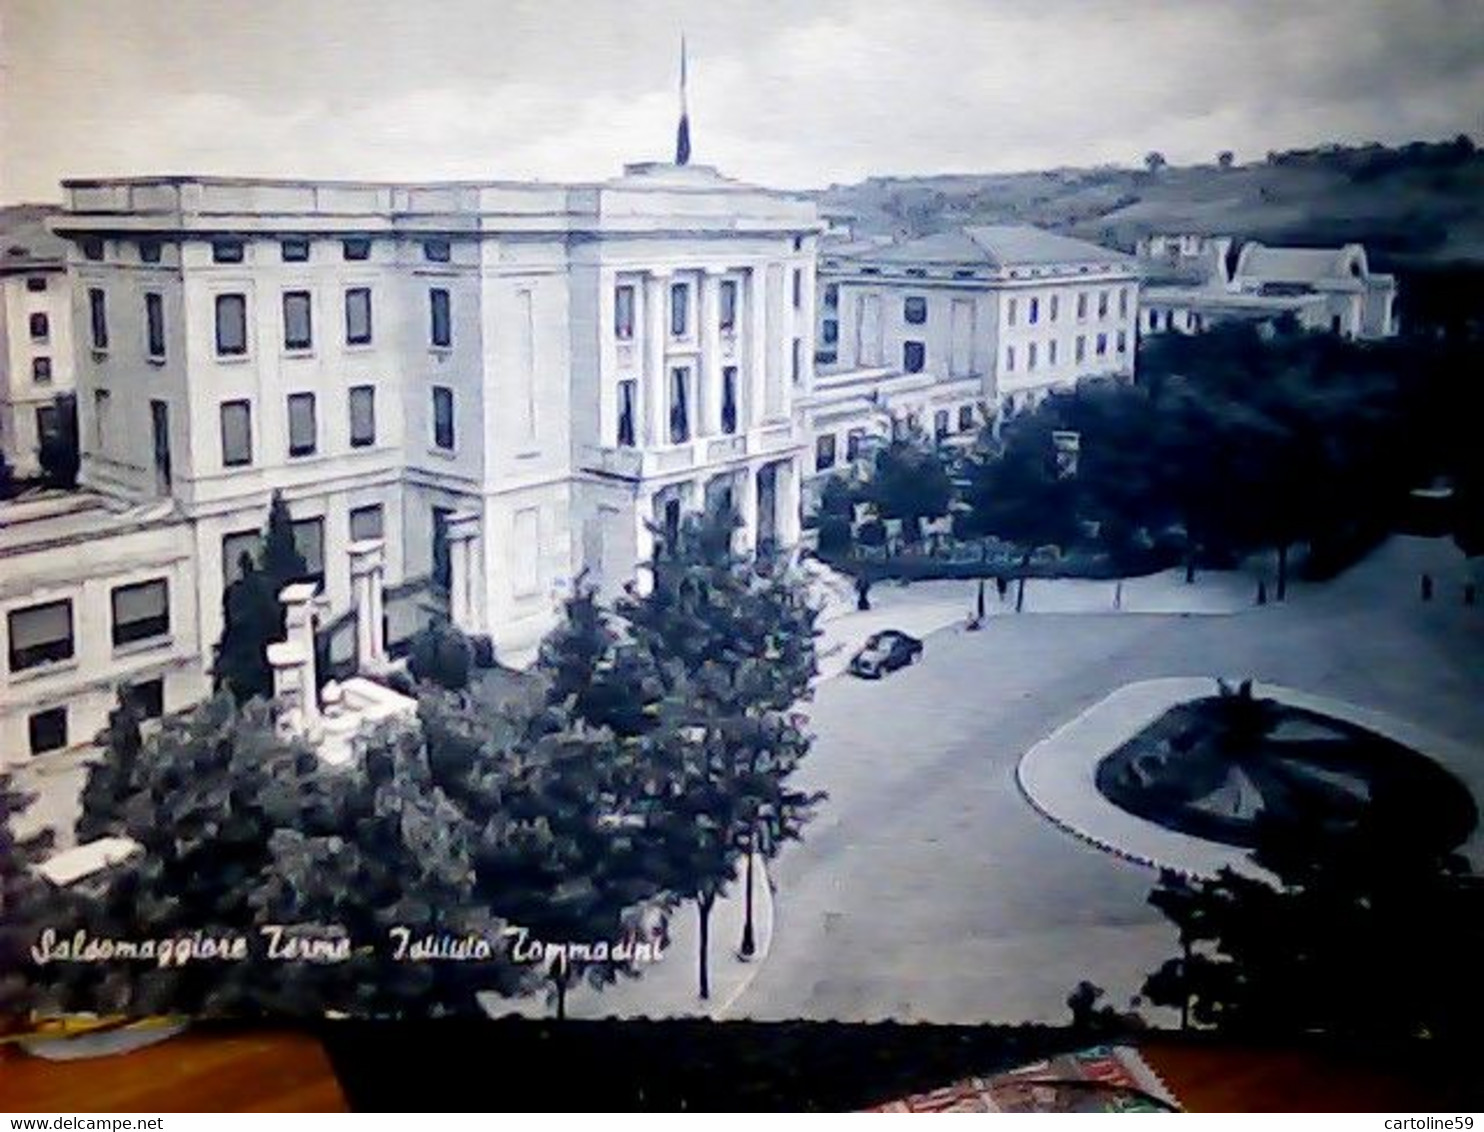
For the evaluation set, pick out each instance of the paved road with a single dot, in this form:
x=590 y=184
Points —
x=928 y=889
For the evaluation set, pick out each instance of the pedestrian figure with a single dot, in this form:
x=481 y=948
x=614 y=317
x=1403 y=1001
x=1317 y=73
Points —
x=1001 y=586
x=1118 y=594
x=1262 y=592
x=1426 y=587
x=862 y=593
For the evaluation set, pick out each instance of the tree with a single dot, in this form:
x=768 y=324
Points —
x=1300 y=957
x=58 y=453
x=910 y=483
x=588 y=669
x=1154 y=161
x=730 y=644
x=252 y=619
x=25 y=902
x=1225 y=159
x=110 y=779
x=282 y=561
x=836 y=517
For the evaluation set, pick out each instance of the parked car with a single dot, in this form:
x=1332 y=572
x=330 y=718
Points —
x=885 y=652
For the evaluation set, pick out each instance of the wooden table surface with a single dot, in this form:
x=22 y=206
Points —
x=285 y=1071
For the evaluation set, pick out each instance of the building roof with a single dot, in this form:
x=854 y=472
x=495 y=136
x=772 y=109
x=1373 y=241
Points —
x=25 y=242
x=1294 y=265
x=1000 y=245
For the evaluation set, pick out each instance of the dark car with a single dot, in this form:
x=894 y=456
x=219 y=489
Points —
x=885 y=652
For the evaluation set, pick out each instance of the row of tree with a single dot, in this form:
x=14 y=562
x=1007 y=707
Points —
x=650 y=759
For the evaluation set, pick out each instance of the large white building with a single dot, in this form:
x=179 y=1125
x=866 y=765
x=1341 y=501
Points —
x=35 y=334
x=508 y=383
x=1195 y=281
x=944 y=332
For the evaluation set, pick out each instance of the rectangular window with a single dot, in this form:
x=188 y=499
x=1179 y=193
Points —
x=235 y=547
x=358 y=316
x=965 y=418
x=824 y=452
x=366 y=522
x=41 y=370
x=796 y=361
x=309 y=541
x=1123 y=302
x=1102 y=345
x=1054 y=309
x=40 y=634
x=914 y=356
x=1081 y=347
x=1051 y=352
x=302 y=430
x=940 y=424
x=914 y=310
x=442 y=560
x=625 y=438
x=798 y=287
x=356 y=249
x=728 y=297
x=830 y=332
x=154 y=324
x=236 y=434
x=40 y=328
x=1030 y=356
x=437 y=251
x=48 y=421
x=441 y=326
x=623 y=312
x=1035 y=312
x=1012 y=311
x=1102 y=304
x=148 y=697
x=443 y=417
x=679 y=310
x=98 y=317
x=1081 y=305
x=1122 y=342
x=100 y=418
x=362 y=416
x=140 y=612
x=47 y=730
x=1009 y=359
x=832 y=296
x=298 y=321
x=231 y=325
x=35 y=283
x=679 y=405
x=729 y=399
x=853 y=441
x=294 y=251
x=92 y=249
x=526 y=576
x=227 y=251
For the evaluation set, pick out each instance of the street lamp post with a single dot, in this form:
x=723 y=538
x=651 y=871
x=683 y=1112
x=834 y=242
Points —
x=749 y=945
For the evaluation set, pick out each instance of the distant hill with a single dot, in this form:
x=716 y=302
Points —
x=1415 y=206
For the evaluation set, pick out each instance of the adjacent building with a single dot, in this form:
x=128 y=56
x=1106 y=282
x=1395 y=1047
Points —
x=506 y=383
x=35 y=334
x=946 y=332
x=1195 y=281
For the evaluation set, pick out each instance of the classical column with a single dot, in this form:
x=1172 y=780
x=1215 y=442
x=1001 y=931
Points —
x=755 y=367
x=463 y=595
x=287 y=661
x=744 y=499
x=643 y=539
x=367 y=575
x=708 y=376
x=654 y=395
x=788 y=518
x=298 y=601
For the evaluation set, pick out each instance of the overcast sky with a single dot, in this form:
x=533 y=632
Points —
x=792 y=93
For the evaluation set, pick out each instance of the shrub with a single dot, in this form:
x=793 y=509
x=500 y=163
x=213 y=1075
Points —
x=484 y=651
x=443 y=655
x=872 y=533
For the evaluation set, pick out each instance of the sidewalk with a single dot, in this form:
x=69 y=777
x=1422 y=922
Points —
x=668 y=988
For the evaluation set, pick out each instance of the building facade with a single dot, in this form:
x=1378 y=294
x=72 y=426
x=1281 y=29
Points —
x=1193 y=282
x=946 y=332
x=509 y=384
x=35 y=334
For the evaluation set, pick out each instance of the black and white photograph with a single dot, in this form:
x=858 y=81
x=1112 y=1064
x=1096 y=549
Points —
x=828 y=514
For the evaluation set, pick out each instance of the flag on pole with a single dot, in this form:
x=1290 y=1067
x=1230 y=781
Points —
x=682 y=132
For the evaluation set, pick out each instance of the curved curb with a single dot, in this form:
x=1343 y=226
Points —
x=1056 y=774
x=763 y=924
